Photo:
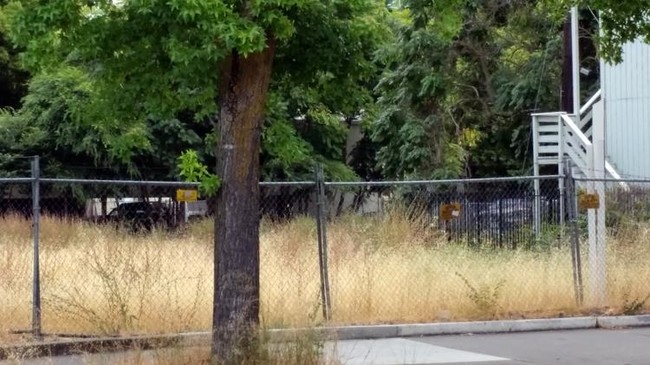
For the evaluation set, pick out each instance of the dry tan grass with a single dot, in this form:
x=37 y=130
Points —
x=382 y=270
x=294 y=353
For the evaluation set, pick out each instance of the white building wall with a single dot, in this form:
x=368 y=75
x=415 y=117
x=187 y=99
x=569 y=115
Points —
x=626 y=88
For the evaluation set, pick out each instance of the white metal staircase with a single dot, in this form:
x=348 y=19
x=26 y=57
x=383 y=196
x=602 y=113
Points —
x=559 y=135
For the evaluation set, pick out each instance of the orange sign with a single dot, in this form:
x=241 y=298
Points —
x=449 y=211
x=187 y=195
x=589 y=201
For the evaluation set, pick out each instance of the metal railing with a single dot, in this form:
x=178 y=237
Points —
x=586 y=114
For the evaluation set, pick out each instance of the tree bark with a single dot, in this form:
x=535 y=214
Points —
x=243 y=88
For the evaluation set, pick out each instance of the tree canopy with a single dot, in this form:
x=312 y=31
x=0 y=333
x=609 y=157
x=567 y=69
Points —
x=480 y=111
x=620 y=22
x=12 y=77
x=173 y=77
x=461 y=82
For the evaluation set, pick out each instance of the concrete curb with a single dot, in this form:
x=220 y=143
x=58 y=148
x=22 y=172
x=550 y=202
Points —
x=624 y=321
x=86 y=345
x=507 y=326
x=437 y=329
x=94 y=345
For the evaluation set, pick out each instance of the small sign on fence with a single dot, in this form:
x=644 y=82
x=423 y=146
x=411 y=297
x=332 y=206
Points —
x=187 y=195
x=449 y=211
x=589 y=201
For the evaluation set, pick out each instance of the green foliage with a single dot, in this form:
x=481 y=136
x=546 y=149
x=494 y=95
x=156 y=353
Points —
x=12 y=77
x=620 y=22
x=485 y=298
x=153 y=57
x=317 y=94
x=193 y=170
x=62 y=121
x=57 y=122
x=154 y=64
x=460 y=83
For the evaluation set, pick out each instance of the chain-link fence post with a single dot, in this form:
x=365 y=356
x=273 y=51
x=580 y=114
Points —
x=36 y=283
x=321 y=227
x=572 y=212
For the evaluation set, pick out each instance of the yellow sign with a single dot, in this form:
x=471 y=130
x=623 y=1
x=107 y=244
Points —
x=449 y=211
x=589 y=201
x=187 y=195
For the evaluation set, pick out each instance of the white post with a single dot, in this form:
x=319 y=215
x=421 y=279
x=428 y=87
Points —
x=591 y=227
x=537 y=205
x=597 y=243
x=560 y=168
x=575 y=58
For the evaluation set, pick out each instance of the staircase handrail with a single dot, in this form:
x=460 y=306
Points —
x=568 y=121
x=591 y=102
x=577 y=133
x=610 y=170
x=573 y=142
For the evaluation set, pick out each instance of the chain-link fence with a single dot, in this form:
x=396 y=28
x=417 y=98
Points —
x=131 y=257
x=16 y=239
x=612 y=226
x=446 y=250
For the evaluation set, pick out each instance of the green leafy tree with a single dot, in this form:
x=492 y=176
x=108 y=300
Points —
x=55 y=124
x=620 y=21
x=57 y=121
x=155 y=58
x=463 y=79
x=12 y=78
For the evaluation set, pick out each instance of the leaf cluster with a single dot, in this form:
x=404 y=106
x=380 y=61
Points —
x=153 y=66
x=458 y=90
x=620 y=22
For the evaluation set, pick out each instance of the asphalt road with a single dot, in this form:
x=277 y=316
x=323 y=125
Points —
x=575 y=347
x=592 y=347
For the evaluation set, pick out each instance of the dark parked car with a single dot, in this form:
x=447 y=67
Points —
x=139 y=216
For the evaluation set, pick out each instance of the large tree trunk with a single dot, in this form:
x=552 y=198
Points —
x=243 y=88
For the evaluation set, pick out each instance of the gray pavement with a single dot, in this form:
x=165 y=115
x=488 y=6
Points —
x=594 y=346
x=572 y=347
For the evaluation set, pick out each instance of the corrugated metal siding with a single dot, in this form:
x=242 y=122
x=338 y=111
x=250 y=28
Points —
x=627 y=108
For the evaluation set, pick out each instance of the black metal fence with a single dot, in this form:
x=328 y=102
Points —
x=496 y=212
